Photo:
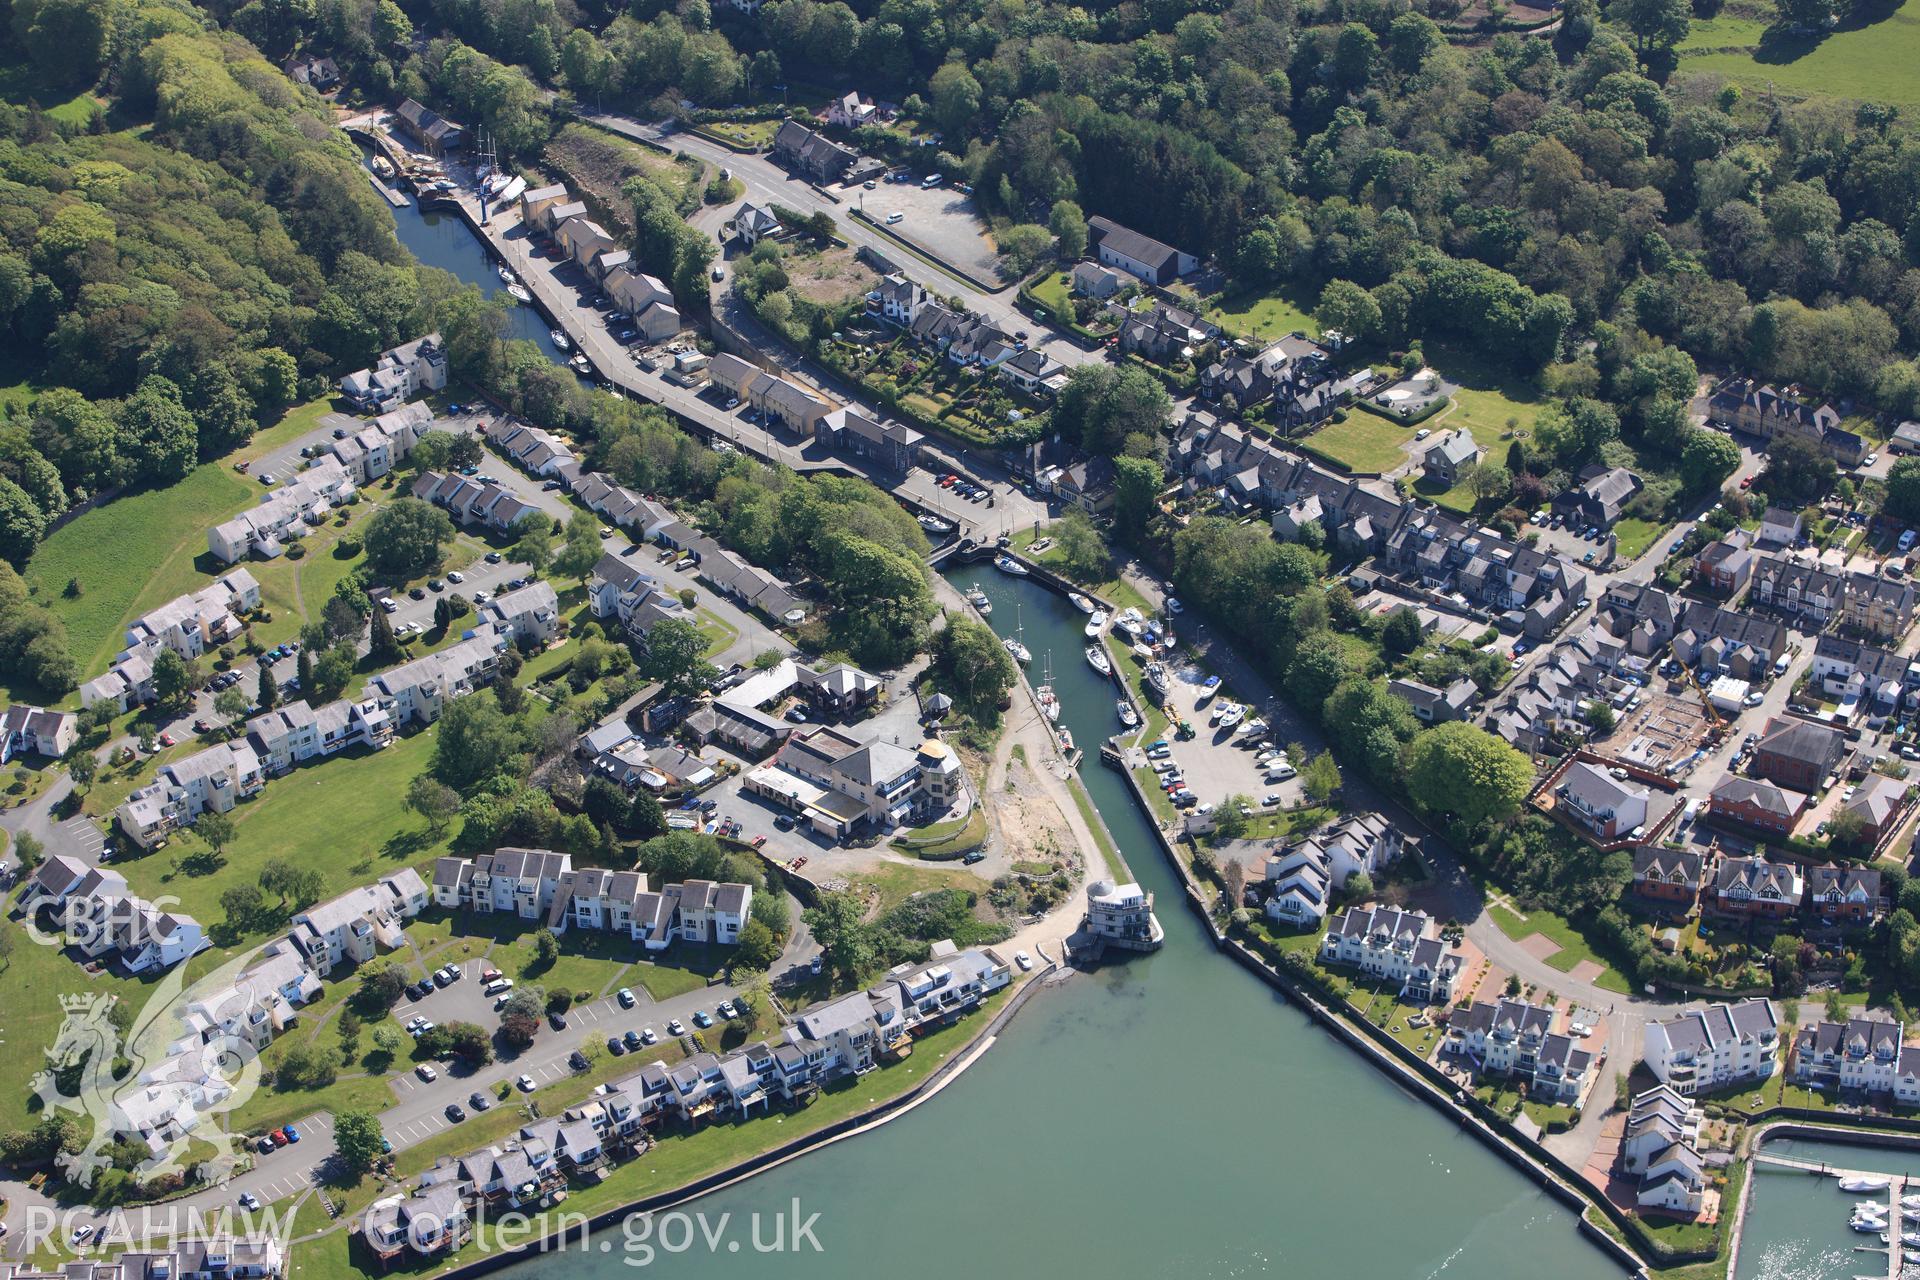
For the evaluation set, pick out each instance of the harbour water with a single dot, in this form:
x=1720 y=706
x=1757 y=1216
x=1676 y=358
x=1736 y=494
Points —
x=1166 y=1115
x=1796 y=1226
x=443 y=240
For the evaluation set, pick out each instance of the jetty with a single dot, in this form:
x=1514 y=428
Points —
x=387 y=193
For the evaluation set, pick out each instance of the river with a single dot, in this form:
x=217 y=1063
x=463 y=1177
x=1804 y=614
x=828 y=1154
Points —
x=1165 y=1114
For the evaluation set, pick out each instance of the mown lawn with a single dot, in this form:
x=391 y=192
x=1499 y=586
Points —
x=1636 y=536
x=1573 y=947
x=1871 y=62
x=1364 y=444
x=1055 y=291
x=1486 y=399
x=1269 y=316
x=32 y=980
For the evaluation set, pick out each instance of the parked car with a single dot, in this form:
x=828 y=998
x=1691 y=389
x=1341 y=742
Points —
x=625 y=996
x=426 y=1072
x=525 y=1084
x=454 y=1113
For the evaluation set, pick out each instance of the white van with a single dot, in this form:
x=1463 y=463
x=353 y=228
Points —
x=1280 y=771
x=930 y=181
x=894 y=217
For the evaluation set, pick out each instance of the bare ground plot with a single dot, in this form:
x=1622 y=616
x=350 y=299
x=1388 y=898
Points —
x=1663 y=730
x=829 y=278
x=940 y=223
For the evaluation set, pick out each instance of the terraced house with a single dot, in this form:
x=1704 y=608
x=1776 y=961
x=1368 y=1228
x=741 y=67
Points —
x=1808 y=594
x=384 y=443
x=1755 y=887
x=1742 y=404
x=1862 y=677
x=105 y=920
x=1515 y=1038
x=418 y=691
x=399 y=375
x=215 y=779
x=190 y=625
x=284 y=515
x=359 y=923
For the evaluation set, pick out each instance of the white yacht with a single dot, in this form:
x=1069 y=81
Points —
x=1873 y=1183
x=1098 y=660
x=518 y=292
x=1008 y=565
x=560 y=339
x=1081 y=603
x=978 y=599
x=1129 y=718
x=1096 y=624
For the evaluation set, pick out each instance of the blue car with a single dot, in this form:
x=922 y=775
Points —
x=293 y=1134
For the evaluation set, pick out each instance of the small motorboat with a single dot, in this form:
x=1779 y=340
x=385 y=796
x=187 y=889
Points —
x=560 y=339
x=1129 y=622
x=1128 y=716
x=1049 y=703
x=1231 y=716
x=1020 y=653
x=934 y=524
x=1867 y=1224
x=978 y=599
x=382 y=167
x=1208 y=687
x=1158 y=680
x=1096 y=624
x=1858 y=1184
x=1081 y=603
x=1007 y=564
x=518 y=292
x=1065 y=739
x=1097 y=659
x=506 y=273
x=1911 y=1239
x=1910 y=1202
x=580 y=364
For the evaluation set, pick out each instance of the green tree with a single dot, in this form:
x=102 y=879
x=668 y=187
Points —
x=356 y=1134
x=1321 y=777
x=1347 y=307
x=1401 y=633
x=974 y=667
x=1657 y=25
x=231 y=706
x=22 y=523
x=546 y=950
x=534 y=546
x=1463 y=770
x=675 y=655
x=1083 y=554
x=1069 y=226
x=215 y=828
x=1136 y=491
x=268 y=694
x=407 y=538
x=1229 y=823
x=1708 y=458
x=383 y=647
x=581 y=549
x=244 y=906
x=476 y=741
x=173 y=681
x=956 y=98
x=82 y=766
x=1903 y=491
x=432 y=800
x=758 y=948
x=839 y=927
x=1024 y=247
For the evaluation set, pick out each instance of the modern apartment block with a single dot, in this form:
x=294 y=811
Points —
x=101 y=917
x=284 y=515
x=1395 y=946
x=1860 y=1055
x=1714 y=1048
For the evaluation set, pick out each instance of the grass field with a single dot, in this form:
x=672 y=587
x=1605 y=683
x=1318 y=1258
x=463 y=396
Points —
x=142 y=550
x=1636 y=536
x=32 y=981
x=1364 y=444
x=136 y=549
x=340 y=816
x=1874 y=61
x=1055 y=290
x=1269 y=316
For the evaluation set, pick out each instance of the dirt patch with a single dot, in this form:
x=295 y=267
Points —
x=1028 y=824
x=601 y=165
x=1540 y=946
x=829 y=278
x=1587 y=971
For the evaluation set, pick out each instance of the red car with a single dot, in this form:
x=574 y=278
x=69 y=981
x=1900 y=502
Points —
x=278 y=1137
x=1746 y=482
x=947 y=482
x=489 y=975
x=166 y=739
x=759 y=841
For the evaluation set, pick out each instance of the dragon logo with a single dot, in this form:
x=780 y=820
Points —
x=181 y=1065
